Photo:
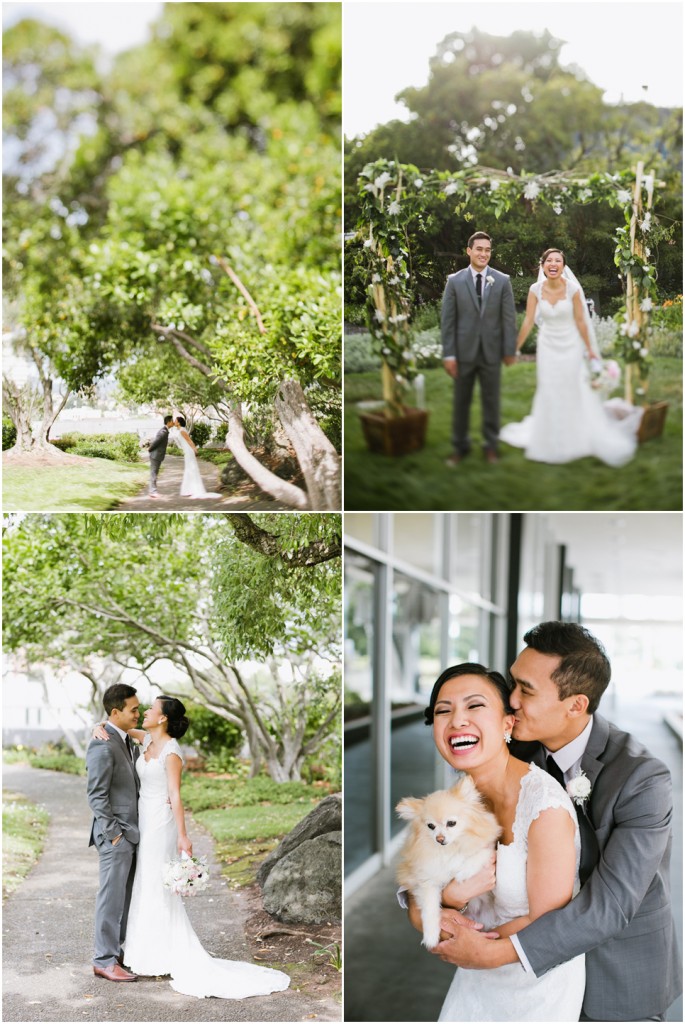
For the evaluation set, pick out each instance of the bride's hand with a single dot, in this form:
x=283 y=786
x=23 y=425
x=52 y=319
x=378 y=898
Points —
x=451 y=921
x=100 y=733
x=456 y=894
x=184 y=845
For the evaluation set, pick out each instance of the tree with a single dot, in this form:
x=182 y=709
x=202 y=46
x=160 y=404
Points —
x=191 y=595
x=205 y=202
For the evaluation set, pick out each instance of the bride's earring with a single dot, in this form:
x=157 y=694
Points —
x=507 y=737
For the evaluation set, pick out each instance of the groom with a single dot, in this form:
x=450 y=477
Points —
x=157 y=451
x=478 y=334
x=113 y=799
x=621 y=918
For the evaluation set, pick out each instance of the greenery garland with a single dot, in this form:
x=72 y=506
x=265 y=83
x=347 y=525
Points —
x=395 y=197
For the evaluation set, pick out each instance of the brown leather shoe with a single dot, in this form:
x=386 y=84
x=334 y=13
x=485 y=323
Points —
x=490 y=456
x=454 y=460
x=114 y=973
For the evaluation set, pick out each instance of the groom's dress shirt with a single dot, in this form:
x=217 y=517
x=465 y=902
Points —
x=124 y=736
x=568 y=760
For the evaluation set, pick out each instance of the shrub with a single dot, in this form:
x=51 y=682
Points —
x=200 y=433
x=669 y=314
x=355 y=314
x=116 y=447
x=426 y=316
x=9 y=433
x=210 y=733
x=359 y=354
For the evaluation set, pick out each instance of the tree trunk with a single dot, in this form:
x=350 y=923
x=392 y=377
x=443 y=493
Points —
x=263 y=477
x=318 y=459
x=21 y=405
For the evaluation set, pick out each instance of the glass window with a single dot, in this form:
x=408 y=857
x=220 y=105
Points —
x=360 y=780
x=416 y=539
x=467 y=551
x=360 y=526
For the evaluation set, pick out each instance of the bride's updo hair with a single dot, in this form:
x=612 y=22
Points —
x=181 y=421
x=548 y=252
x=469 y=668
x=176 y=721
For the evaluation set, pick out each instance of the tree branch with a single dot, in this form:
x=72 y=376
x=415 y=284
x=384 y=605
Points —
x=247 y=531
x=243 y=291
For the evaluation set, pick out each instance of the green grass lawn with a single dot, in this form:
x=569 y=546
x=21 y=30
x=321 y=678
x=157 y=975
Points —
x=96 y=486
x=24 y=827
x=422 y=482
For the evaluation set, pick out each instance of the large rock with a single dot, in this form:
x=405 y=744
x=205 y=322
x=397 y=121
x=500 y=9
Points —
x=305 y=886
x=326 y=817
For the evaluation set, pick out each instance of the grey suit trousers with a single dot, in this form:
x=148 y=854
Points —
x=117 y=868
x=155 y=463
x=488 y=374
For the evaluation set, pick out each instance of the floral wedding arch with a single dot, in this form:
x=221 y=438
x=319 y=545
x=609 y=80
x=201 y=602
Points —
x=395 y=197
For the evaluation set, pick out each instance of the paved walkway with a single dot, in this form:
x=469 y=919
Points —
x=47 y=927
x=170 y=499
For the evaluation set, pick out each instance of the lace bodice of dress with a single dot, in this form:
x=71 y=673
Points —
x=539 y=792
x=153 y=780
x=551 y=312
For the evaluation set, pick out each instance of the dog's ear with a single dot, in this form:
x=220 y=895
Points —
x=464 y=788
x=409 y=808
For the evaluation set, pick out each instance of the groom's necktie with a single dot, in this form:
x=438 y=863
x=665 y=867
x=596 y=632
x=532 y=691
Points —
x=555 y=771
x=129 y=748
x=479 y=288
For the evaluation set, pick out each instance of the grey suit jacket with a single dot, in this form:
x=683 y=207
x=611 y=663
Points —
x=621 y=918
x=112 y=789
x=158 y=445
x=468 y=329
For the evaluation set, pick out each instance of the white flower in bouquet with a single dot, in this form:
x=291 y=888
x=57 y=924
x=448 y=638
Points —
x=605 y=377
x=579 y=788
x=187 y=876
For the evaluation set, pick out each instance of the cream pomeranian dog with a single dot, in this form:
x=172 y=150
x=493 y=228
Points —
x=452 y=836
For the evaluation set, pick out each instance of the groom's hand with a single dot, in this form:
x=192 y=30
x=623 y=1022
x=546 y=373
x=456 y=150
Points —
x=474 y=950
x=509 y=360
x=452 y=367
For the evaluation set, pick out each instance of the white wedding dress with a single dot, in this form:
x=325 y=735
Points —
x=192 y=485
x=160 y=939
x=569 y=420
x=510 y=992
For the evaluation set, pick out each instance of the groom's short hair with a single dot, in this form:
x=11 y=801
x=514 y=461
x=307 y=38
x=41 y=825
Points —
x=476 y=236
x=168 y=419
x=116 y=696
x=584 y=666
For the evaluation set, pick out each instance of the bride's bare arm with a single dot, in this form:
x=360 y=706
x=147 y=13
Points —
x=173 y=774
x=186 y=435
x=579 y=317
x=528 y=320
x=100 y=733
x=551 y=867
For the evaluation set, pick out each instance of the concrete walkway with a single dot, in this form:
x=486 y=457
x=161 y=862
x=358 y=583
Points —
x=47 y=927
x=170 y=499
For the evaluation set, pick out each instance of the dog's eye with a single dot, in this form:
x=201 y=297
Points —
x=451 y=824
x=431 y=826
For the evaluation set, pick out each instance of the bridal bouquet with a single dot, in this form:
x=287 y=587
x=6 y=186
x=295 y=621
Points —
x=186 y=876
x=604 y=376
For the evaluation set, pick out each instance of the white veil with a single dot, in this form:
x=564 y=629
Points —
x=570 y=276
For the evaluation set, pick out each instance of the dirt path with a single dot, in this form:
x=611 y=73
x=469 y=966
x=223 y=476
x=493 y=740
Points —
x=47 y=927
x=170 y=499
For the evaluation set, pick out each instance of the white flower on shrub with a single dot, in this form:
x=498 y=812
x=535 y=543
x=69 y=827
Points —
x=584 y=194
x=646 y=304
x=644 y=352
x=394 y=280
x=382 y=180
x=532 y=190
x=637 y=345
x=624 y=196
x=631 y=329
x=646 y=224
x=368 y=243
x=494 y=185
x=397 y=319
x=394 y=208
x=450 y=188
x=558 y=208
x=418 y=183
x=379 y=315
x=376 y=278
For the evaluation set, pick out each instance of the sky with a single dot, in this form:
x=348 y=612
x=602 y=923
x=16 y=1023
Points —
x=622 y=46
x=115 y=26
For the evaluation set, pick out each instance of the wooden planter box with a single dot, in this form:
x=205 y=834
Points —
x=652 y=422
x=396 y=435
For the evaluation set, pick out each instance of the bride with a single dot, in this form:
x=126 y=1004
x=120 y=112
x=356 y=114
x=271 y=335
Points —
x=192 y=485
x=160 y=939
x=538 y=855
x=568 y=419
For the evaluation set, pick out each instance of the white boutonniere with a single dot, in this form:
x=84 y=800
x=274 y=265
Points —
x=490 y=279
x=579 y=788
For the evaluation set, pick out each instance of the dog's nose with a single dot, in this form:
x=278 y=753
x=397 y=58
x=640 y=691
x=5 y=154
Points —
x=441 y=840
